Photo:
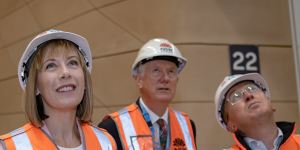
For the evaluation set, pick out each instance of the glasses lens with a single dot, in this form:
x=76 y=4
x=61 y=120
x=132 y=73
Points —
x=251 y=89
x=238 y=95
x=235 y=97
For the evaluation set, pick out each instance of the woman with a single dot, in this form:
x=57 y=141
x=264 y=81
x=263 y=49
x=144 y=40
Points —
x=55 y=72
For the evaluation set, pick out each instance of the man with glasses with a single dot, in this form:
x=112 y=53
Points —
x=243 y=107
x=150 y=123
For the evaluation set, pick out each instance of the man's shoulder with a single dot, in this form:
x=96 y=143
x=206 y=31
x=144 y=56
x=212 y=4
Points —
x=107 y=122
x=124 y=110
x=180 y=112
x=110 y=126
x=297 y=137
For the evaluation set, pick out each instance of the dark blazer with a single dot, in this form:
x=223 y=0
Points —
x=109 y=125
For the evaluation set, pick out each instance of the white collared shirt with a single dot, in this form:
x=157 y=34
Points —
x=259 y=145
x=154 y=117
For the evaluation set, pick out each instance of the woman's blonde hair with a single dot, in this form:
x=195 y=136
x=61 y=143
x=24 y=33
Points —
x=34 y=108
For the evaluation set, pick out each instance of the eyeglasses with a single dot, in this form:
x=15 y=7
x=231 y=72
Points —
x=238 y=95
x=172 y=74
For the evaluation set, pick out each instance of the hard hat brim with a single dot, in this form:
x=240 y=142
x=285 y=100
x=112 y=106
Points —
x=168 y=58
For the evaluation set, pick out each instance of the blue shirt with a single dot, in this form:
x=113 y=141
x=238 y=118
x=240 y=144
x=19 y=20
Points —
x=259 y=145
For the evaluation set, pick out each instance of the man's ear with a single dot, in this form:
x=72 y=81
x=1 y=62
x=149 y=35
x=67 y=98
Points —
x=231 y=127
x=139 y=81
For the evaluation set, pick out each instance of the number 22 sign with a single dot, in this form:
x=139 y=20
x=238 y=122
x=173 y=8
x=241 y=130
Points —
x=244 y=59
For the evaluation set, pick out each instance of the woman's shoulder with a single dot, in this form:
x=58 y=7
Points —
x=17 y=132
x=94 y=127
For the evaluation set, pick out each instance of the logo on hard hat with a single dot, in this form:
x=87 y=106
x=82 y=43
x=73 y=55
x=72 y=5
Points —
x=165 y=47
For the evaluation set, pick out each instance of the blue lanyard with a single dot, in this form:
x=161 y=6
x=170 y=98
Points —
x=150 y=125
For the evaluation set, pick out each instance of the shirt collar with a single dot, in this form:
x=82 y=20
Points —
x=153 y=116
x=259 y=145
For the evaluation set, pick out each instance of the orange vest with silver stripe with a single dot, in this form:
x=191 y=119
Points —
x=135 y=133
x=292 y=143
x=30 y=137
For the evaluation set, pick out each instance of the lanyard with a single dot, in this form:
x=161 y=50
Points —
x=150 y=125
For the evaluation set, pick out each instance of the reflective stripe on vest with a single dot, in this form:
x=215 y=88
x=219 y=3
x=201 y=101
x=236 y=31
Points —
x=130 y=124
x=102 y=139
x=31 y=138
x=21 y=141
x=27 y=137
x=130 y=130
x=185 y=130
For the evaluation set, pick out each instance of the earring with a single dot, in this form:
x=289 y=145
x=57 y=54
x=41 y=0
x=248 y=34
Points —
x=37 y=91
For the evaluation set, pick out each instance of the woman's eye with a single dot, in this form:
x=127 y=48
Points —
x=73 y=63
x=50 y=66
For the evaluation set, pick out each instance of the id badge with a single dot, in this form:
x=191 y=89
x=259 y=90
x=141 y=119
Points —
x=141 y=142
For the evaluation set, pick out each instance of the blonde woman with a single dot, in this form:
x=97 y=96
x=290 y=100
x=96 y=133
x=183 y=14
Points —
x=54 y=72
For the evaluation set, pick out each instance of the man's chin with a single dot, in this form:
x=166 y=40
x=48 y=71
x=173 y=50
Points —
x=164 y=98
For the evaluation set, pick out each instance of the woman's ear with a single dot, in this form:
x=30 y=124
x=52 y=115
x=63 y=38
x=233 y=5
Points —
x=37 y=91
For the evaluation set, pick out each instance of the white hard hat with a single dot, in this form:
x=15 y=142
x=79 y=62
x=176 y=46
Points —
x=80 y=41
x=229 y=82
x=158 y=48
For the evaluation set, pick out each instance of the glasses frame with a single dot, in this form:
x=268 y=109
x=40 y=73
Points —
x=238 y=95
x=157 y=73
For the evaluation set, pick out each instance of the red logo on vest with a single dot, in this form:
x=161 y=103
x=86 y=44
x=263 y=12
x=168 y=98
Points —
x=179 y=144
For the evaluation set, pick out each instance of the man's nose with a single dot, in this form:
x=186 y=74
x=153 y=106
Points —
x=166 y=76
x=248 y=96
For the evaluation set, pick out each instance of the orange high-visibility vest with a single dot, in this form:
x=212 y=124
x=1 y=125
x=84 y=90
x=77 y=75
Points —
x=33 y=138
x=135 y=133
x=292 y=143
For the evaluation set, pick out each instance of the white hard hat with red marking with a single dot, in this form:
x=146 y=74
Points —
x=228 y=83
x=24 y=63
x=161 y=49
